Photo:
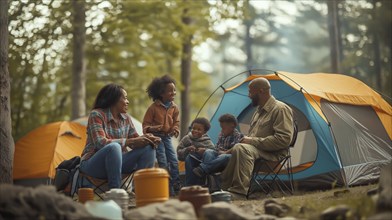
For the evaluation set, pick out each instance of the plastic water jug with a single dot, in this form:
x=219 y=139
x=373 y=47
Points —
x=120 y=196
x=151 y=185
x=104 y=209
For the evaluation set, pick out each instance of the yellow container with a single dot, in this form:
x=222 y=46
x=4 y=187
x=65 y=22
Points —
x=151 y=185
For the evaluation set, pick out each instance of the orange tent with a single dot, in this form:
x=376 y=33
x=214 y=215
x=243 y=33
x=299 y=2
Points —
x=38 y=153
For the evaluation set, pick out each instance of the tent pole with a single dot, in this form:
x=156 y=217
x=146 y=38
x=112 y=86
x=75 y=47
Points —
x=249 y=73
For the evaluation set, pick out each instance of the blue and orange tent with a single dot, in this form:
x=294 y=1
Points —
x=345 y=127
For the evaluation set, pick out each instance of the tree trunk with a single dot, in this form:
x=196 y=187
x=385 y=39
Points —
x=334 y=35
x=248 y=45
x=377 y=55
x=186 y=63
x=78 y=62
x=7 y=146
x=248 y=39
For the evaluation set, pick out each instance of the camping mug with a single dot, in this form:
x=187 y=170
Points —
x=196 y=195
x=85 y=194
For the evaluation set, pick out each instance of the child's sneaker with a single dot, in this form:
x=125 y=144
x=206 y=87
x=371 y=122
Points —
x=198 y=171
x=177 y=186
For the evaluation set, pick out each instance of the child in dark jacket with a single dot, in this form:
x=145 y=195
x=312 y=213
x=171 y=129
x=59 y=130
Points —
x=192 y=147
x=218 y=158
x=162 y=120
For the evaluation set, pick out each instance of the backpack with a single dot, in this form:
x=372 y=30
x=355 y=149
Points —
x=64 y=173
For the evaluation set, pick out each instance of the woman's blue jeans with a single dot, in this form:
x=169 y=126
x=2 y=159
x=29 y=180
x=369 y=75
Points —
x=109 y=163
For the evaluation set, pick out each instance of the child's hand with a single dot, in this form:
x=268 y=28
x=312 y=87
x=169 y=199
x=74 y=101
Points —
x=200 y=151
x=174 y=133
x=191 y=149
x=155 y=128
x=222 y=152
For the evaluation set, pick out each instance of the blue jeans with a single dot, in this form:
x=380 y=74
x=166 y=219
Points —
x=167 y=158
x=109 y=163
x=214 y=162
x=190 y=163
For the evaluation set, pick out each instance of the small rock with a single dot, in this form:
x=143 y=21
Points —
x=304 y=210
x=42 y=202
x=171 y=209
x=381 y=216
x=268 y=201
x=225 y=211
x=276 y=209
x=340 y=192
x=287 y=218
x=372 y=192
x=342 y=212
x=384 y=201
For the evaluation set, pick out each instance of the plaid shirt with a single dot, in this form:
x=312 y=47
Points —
x=229 y=141
x=102 y=130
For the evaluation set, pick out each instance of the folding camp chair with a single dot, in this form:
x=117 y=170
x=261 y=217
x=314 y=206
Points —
x=265 y=173
x=99 y=185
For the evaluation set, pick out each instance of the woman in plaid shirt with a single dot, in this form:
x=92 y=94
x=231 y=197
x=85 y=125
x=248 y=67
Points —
x=113 y=146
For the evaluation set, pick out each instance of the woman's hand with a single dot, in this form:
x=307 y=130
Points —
x=153 y=140
x=138 y=142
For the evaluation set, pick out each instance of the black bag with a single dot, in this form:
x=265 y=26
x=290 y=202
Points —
x=64 y=171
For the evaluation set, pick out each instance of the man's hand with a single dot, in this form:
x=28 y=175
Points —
x=246 y=140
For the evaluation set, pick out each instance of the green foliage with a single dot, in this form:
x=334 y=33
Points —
x=366 y=26
x=127 y=42
x=131 y=42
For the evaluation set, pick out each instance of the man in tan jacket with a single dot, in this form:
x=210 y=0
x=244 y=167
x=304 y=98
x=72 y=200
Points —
x=269 y=136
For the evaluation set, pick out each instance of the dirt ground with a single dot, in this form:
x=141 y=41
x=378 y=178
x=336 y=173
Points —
x=309 y=205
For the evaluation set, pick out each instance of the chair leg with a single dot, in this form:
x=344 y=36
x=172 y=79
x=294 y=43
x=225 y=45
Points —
x=127 y=182
x=283 y=187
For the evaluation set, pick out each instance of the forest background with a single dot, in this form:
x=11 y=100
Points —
x=61 y=52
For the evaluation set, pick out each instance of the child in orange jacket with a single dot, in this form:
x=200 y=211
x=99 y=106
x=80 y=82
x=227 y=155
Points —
x=162 y=120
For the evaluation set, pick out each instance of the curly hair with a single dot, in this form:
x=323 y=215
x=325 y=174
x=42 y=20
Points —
x=108 y=96
x=228 y=118
x=202 y=121
x=158 y=85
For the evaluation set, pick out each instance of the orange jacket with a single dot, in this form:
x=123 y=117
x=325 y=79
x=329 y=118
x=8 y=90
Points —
x=157 y=114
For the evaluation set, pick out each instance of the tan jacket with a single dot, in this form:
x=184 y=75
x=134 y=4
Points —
x=157 y=114
x=271 y=129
